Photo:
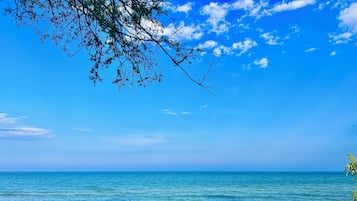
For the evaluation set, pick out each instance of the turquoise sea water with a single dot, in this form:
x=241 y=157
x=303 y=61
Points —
x=210 y=186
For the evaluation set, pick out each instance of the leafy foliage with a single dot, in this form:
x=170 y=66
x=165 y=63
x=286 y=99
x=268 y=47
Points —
x=351 y=169
x=127 y=34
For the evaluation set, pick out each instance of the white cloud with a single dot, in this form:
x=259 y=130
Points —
x=292 y=5
x=311 y=49
x=270 y=39
x=172 y=113
x=185 y=8
x=218 y=51
x=183 y=32
x=154 y=27
x=216 y=16
x=253 y=9
x=24 y=132
x=243 y=4
x=208 y=44
x=259 y=10
x=244 y=46
x=168 y=112
x=217 y=12
x=333 y=53
x=226 y=50
x=340 y=38
x=8 y=120
x=20 y=132
x=348 y=17
x=263 y=62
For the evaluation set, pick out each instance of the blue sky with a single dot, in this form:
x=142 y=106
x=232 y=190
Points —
x=283 y=96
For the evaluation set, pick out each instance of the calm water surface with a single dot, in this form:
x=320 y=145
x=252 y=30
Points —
x=160 y=186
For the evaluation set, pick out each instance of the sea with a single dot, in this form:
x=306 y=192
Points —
x=176 y=186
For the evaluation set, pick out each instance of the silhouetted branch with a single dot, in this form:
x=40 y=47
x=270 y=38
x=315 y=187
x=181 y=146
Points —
x=121 y=33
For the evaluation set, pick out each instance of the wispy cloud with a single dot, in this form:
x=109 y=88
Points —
x=348 y=23
x=270 y=39
x=24 y=133
x=295 y=30
x=13 y=130
x=340 y=38
x=172 y=113
x=259 y=9
x=333 y=53
x=324 y=4
x=243 y=4
x=242 y=47
x=4 y=118
x=221 y=49
x=255 y=9
x=168 y=112
x=311 y=49
x=217 y=12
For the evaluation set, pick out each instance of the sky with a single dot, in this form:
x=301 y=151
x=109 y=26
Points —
x=282 y=96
